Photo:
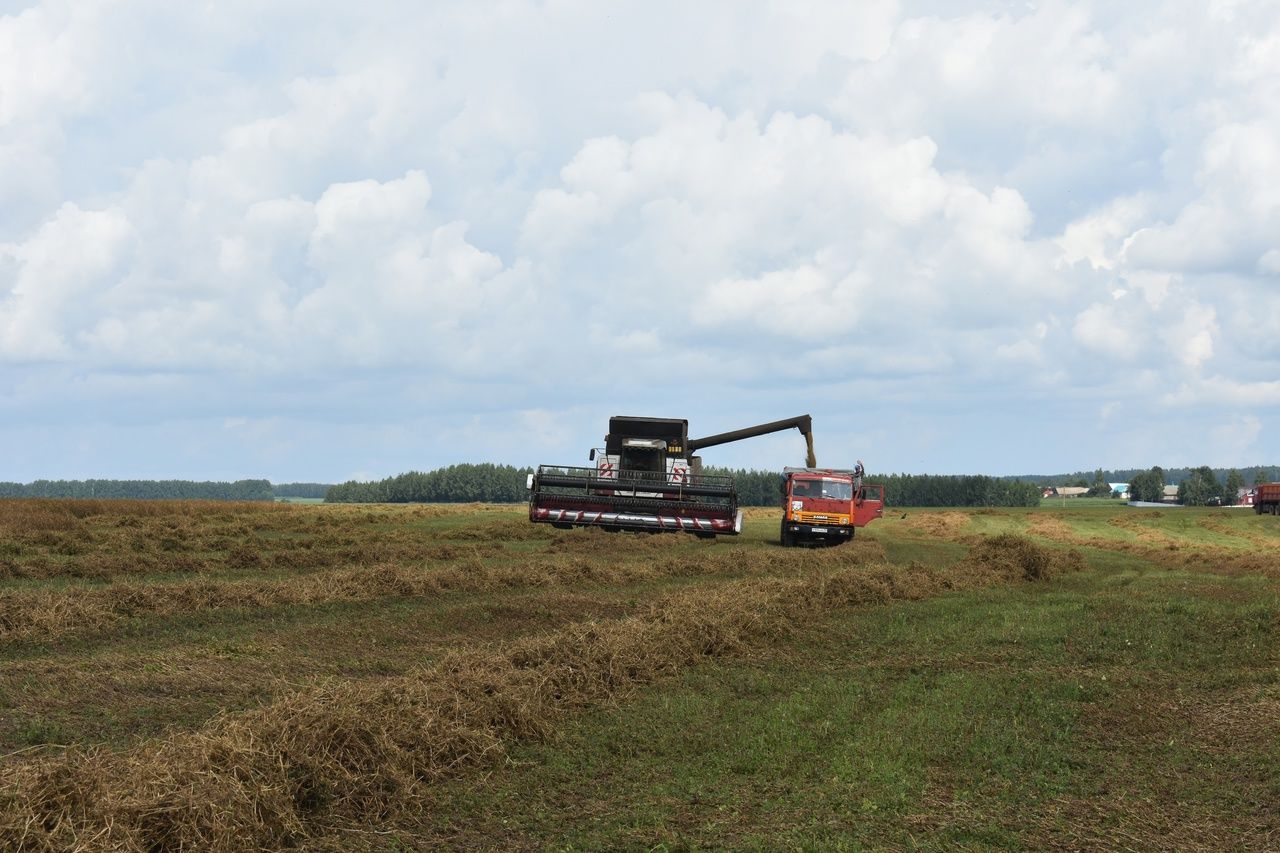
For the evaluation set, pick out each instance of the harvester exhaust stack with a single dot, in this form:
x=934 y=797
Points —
x=647 y=478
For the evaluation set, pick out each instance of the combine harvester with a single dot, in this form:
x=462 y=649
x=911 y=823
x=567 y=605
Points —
x=646 y=477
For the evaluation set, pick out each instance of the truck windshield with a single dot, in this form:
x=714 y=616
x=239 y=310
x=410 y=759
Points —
x=837 y=490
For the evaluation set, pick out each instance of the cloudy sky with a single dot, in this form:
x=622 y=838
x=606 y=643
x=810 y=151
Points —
x=311 y=241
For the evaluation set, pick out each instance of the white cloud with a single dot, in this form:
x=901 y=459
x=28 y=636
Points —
x=1101 y=327
x=1220 y=391
x=490 y=217
x=1231 y=442
x=1192 y=338
x=58 y=276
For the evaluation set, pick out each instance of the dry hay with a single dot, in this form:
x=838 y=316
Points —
x=1167 y=552
x=1019 y=558
x=509 y=529
x=108 y=539
x=1147 y=535
x=1052 y=527
x=1253 y=537
x=948 y=525
x=50 y=612
x=353 y=752
x=595 y=540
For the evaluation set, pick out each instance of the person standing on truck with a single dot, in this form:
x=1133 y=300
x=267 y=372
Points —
x=858 y=471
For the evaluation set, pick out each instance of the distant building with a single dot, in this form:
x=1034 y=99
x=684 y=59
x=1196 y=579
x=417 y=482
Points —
x=1119 y=490
x=1069 y=491
x=1170 y=495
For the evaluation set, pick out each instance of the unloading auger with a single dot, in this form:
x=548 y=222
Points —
x=647 y=477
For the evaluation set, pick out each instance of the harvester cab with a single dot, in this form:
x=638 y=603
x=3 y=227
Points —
x=647 y=478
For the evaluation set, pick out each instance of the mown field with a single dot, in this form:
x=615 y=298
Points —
x=181 y=675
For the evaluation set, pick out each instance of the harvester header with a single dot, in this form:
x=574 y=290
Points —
x=646 y=477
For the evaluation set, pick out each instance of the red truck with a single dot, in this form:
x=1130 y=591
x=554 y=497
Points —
x=826 y=505
x=1266 y=498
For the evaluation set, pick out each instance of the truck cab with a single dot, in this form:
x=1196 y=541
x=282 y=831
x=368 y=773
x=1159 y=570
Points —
x=825 y=506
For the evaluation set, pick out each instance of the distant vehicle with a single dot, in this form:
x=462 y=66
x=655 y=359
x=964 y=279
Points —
x=1266 y=498
x=825 y=506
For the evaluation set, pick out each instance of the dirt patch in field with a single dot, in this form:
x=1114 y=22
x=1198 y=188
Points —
x=269 y=778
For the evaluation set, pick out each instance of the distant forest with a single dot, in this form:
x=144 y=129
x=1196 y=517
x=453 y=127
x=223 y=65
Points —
x=1251 y=474
x=487 y=483
x=505 y=484
x=240 y=490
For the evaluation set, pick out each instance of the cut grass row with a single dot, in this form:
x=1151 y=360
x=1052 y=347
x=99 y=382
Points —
x=1234 y=542
x=45 y=613
x=103 y=540
x=1129 y=709
x=343 y=752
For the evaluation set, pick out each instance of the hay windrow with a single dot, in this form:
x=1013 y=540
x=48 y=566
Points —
x=1168 y=552
x=948 y=525
x=47 y=613
x=355 y=752
x=47 y=538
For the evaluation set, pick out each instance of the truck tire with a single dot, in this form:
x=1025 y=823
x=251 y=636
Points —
x=787 y=538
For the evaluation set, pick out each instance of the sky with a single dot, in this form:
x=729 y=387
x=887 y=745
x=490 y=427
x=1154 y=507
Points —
x=316 y=241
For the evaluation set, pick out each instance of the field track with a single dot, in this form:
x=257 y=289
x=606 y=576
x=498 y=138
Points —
x=334 y=676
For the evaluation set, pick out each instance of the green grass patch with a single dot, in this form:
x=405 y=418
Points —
x=989 y=719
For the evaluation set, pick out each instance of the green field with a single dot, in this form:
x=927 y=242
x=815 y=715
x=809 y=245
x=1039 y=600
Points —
x=423 y=677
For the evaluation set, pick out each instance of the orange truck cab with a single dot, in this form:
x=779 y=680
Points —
x=826 y=505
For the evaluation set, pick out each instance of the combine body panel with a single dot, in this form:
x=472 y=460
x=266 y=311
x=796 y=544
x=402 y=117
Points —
x=826 y=505
x=646 y=478
x=1266 y=498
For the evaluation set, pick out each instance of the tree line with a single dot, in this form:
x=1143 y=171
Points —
x=485 y=483
x=1199 y=487
x=240 y=490
x=1250 y=475
x=301 y=490
x=506 y=484
x=488 y=483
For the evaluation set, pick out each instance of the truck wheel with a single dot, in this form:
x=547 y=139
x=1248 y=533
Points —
x=786 y=537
